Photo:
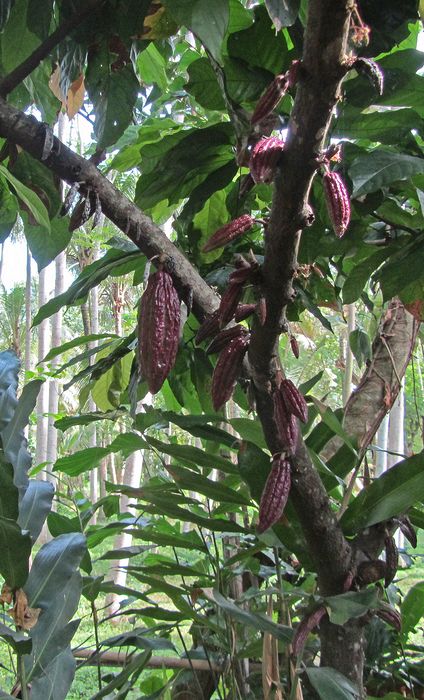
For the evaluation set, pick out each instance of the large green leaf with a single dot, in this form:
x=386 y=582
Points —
x=209 y=21
x=13 y=434
x=15 y=550
x=20 y=643
x=193 y=455
x=8 y=209
x=45 y=247
x=35 y=506
x=391 y=494
x=57 y=679
x=331 y=684
x=114 y=262
x=31 y=200
x=5 y=7
x=9 y=494
x=53 y=566
x=282 y=12
x=412 y=608
x=402 y=269
x=360 y=275
x=270 y=47
x=379 y=169
x=76 y=342
x=352 y=604
x=216 y=490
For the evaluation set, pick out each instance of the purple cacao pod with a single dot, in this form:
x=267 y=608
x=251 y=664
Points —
x=227 y=370
x=288 y=429
x=275 y=494
x=294 y=400
x=264 y=158
x=338 y=202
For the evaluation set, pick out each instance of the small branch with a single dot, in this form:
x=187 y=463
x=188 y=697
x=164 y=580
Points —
x=112 y=658
x=24 y=69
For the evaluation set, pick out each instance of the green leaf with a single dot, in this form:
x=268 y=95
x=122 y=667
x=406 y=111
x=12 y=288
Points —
x=81 y=461
x=57 y=678
x=9 y=494
x=52 y=567
x=391 y=494
x=352 y=604
x=282 y=12
x=15 y=550
x=13 y=433
x=254 y=466
x=8 y=208
x=402 y=269
x=113 y=93
x=35 y=506
x=216 y=490
x=376 y=170
x=270 y=47
x=113 y=262
x=208 y=21
x=193 y=455
x=151 y=66
x=330 y=419
x=5 y=7
x=20 y=643
x=359 y=276
x=76 y=342
x=45 y=248
x=250 y=430
x=331 y=684
x=412 y=609
x=258 y=622
x=360 y=345
x=30 y=199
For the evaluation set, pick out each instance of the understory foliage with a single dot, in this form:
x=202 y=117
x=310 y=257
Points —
x=168 y=90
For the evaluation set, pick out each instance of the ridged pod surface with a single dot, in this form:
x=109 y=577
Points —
x=391 y=616
x=224 y=337
x=338 y=203
x=159 y=329
x=270 y=99
x=243 y=311
x=392 y=560
x=294 y=345
x=229 y=232
x=294 y=400
x=229 y=302
x=208 y=328
x=286 y=422
x=305 y=627
x=227 y=370
x=264 y=158
x=408 y=531
x=275 y=494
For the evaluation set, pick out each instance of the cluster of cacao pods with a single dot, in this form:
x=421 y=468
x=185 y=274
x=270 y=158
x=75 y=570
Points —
x=289 y=405
x=158 y=329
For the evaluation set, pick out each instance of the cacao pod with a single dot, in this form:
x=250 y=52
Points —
x=338 y=203
x=275 y=494
x=224 y=337
x=270 y=99
x=370 y=572
x=229 y=303
x=287 y=427
x=243 y=311
x=159 y=329
x=294 y=345
x=390 y=615
x=208 y=328
x=392 y=560
x=407 y=530
x=371 y=69
x=294 y=400
x=229 y=232
x=227 y=370
x=305 y=627
x=264 y=158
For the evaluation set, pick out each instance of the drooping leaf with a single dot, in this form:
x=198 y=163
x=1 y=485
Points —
x=35 y=506
x=15 y=550
x=207 y=21
x=412 y=608
x=20 y=642
x=391 y=494
x=331 y=684
x=373 y=171
x=282 y=12
x=360 y=345
x=57 y=679
x=352 y=604
x=30 y=199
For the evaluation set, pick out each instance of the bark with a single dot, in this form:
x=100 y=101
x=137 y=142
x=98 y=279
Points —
x=42 y=400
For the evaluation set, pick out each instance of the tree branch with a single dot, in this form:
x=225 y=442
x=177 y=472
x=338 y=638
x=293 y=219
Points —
x=13 y=79
x=317 y=94
x=28 y=133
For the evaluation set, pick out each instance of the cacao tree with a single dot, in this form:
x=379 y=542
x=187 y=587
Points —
x=284 y=142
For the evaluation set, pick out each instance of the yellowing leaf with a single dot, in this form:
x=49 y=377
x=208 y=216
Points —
x=54 y=85
x=75 y=97
x=159 y=24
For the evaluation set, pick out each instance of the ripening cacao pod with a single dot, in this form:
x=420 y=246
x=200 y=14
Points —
x=208 y=328
x=338 y=203
x=227 y=370
x=294 y=345
x=224 y=337
x=270 y=99
x=286 y=422
x=275 y=494
x=243 y=311
x=159 y=329
x=392 y=560
x=264 y=158
x=241 y=275
x=229 y=232
x=407 y=530
x=305 y=627
x=390 y=615
x=294 y=400
x=371 y=69
x=229 y=303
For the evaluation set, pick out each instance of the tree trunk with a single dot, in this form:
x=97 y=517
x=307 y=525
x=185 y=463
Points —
x=42 y=400
x=28 y=315
x=347 y=379
x=53 y=386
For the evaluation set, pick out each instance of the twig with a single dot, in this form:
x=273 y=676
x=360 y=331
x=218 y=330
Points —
x=18 y=74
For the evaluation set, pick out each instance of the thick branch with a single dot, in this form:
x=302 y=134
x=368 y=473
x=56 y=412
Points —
x=28 y=133
x=317 y=94
x=25 y=68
